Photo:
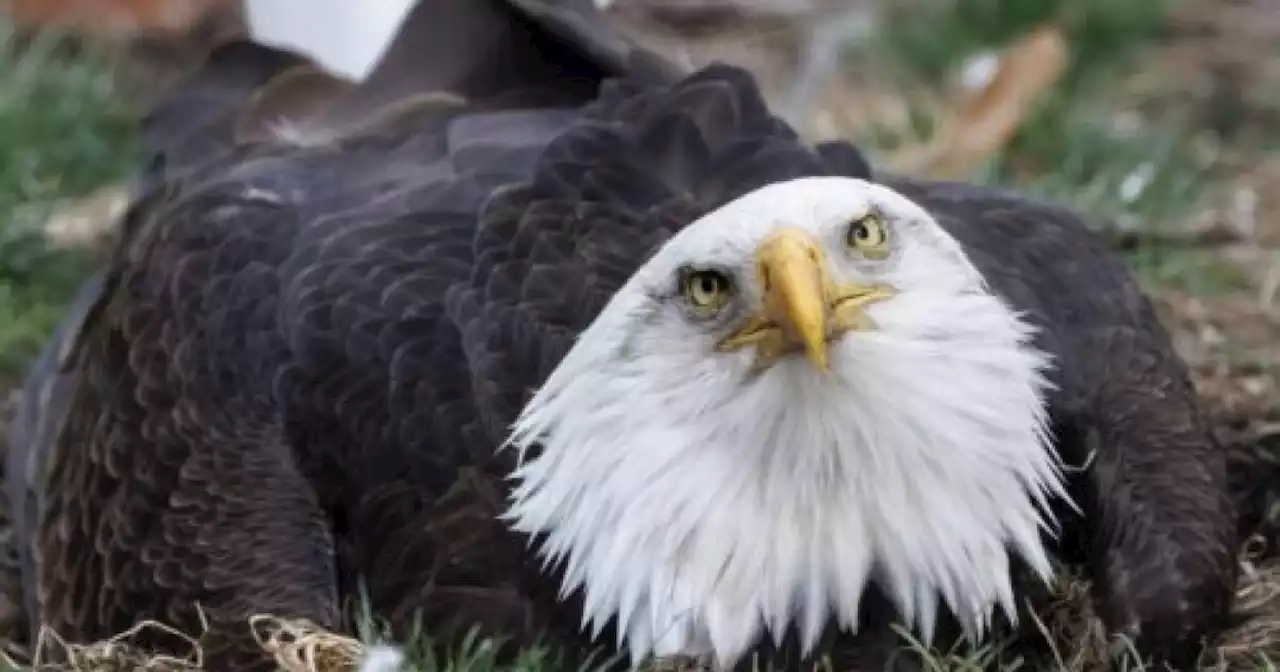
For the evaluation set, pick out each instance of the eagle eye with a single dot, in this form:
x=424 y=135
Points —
x=868 y=235
x=706 y=290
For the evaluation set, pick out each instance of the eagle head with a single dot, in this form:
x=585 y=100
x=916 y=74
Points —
x=807 y=390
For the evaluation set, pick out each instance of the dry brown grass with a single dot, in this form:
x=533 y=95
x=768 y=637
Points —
x=301 y=646
x=1077 y=641
x=295 y=645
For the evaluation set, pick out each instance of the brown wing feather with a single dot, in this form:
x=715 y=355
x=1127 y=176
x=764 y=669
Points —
x=298 y=342
x=188 y=460
x=38 y=417
x=171 y=467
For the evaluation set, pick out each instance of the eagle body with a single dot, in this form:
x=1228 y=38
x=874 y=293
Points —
x=441 y=365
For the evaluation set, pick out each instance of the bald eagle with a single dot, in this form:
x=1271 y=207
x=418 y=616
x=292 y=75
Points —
x=601 y=352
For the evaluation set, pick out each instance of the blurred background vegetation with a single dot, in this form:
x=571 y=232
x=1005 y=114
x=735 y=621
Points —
x=64 y=131
x=1155 y=152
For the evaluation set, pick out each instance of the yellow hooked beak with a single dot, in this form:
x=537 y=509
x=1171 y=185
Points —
x=802 y=308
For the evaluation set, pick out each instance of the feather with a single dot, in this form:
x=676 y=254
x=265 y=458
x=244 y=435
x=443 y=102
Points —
x=304 y=358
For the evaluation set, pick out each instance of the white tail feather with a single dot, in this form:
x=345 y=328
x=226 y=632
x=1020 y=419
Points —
x=345 y=36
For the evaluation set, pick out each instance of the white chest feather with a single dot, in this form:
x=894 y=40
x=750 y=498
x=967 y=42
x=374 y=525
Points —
x=705 y=507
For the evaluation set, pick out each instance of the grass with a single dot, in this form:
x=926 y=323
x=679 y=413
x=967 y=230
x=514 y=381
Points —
x=1103 y=32
x=1079 y=146
x=65 y=130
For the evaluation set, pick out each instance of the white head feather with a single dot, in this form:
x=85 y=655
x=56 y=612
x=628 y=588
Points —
x=702 y=502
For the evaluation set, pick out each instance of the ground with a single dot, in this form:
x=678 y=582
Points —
x=1163 y=126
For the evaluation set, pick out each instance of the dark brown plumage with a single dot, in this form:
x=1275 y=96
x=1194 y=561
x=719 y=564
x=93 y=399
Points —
x=291 y=384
